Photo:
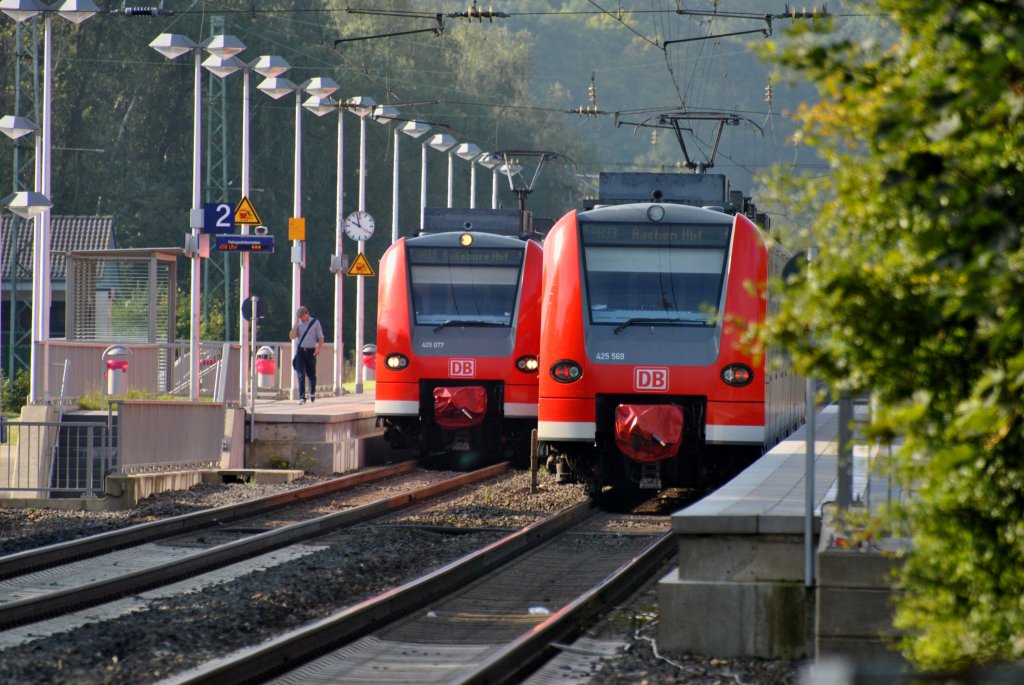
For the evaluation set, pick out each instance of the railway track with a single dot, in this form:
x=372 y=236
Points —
x=51 y=581
x=485 y=618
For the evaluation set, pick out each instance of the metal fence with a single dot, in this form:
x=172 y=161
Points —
x=51 y=459
x=163 y=369
x=72 y=456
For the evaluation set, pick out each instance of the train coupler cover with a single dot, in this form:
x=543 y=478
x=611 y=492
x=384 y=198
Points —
x=460 y=407
x=648 y=432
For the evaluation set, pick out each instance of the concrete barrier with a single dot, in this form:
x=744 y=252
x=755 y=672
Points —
x=854 y=595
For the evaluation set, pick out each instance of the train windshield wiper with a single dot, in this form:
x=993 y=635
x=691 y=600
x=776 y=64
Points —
x=640 y=320
x=469 y=322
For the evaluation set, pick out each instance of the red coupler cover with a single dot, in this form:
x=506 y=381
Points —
x=460 y=407
x=649 y=432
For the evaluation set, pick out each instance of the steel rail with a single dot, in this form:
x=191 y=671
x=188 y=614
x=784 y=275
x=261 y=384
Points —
x=102 y=543
x=293 y=649
x=528 y=651
x=56 y=603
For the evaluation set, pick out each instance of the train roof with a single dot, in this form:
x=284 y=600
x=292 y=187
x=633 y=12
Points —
x=508 y=222
x=451 y=239
x=674 y=213
x=696 y=190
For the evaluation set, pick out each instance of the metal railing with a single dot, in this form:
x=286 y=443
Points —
x=167 y=436
x=49 y=459
x=164 y=368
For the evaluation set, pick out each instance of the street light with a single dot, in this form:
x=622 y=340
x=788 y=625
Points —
x=27 y=204
x=413 y=129
x=15 y=127
x=509 y=169
x=75 y=11
x=470 y=152
x=321 y=106
x=277 y=87
x=362 y=107
x=385 y=114
x=173 y=46
x=489 y=161
x=221 y=66
x=443 y=142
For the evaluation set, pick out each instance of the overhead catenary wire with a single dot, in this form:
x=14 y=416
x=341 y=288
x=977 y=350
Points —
x=392 y=86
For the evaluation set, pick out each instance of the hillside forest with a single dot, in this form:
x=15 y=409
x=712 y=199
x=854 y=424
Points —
x=565 y=77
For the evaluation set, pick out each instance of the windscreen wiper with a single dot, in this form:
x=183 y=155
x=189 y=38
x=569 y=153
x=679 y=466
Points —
x=686 y=322
x=469 y=322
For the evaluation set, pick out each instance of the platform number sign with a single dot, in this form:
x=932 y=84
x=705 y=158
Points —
x=218 y=218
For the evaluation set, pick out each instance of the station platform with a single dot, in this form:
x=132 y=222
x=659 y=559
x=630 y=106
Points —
x=280 y=441
x=332 y=435
x=742 y=559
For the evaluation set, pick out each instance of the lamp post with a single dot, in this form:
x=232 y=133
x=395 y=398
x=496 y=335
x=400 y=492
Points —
x=385 y=114
x=470 y=152
x=75 y=11
x=362 y=106
x=277 y=88
x=26 y=204
x=172 y=45
x=223 y=67
x=489 y=161
x=413 y=129
x=320 y=107
x=442 y=142
x=14 y=128
x=510 y=169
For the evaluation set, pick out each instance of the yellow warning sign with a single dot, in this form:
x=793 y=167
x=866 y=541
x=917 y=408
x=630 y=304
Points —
x=245 y=213
x=297 y=228
x=360 y=267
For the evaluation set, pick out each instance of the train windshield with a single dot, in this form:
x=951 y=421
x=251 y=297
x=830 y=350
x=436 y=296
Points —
x=654 y=273
x=464 y=286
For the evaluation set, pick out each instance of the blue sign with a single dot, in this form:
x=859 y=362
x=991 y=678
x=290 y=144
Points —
x=244 y=243
x=218 y=218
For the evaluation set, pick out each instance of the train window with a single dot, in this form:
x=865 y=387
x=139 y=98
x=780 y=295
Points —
x=469 y=291
x=669 y=280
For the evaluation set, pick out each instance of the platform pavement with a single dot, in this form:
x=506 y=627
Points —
x=741 y=561
x=348 y=405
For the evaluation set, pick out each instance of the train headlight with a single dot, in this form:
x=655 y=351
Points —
x=566 y=371
x=396 y=362
x=527 y=363
x=466 y=239
x=737 y=375
x=655 y=212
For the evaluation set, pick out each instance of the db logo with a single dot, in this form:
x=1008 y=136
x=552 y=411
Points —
x=655 y=379
x=464 y=368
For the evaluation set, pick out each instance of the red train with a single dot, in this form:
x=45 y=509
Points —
x=458 y=332
x=644 y=380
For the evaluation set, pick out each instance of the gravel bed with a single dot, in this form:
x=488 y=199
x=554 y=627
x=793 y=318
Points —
x=22 y=529
x=635 y=623
x=174 y=633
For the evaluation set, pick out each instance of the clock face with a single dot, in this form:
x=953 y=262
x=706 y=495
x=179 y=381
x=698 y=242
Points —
x=359 y=226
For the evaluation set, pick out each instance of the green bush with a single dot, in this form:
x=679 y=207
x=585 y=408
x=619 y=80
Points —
x=15 y=392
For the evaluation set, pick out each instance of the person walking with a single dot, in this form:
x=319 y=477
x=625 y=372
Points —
x=310 y=335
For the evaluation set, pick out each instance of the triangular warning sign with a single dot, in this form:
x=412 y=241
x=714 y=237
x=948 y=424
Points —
x=360 y=267
x=245 y=213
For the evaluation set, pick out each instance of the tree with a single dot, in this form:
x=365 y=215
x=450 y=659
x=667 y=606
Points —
x=918 y=295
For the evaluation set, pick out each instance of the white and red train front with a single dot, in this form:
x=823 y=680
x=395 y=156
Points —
x=458 y=332
x=641 y=360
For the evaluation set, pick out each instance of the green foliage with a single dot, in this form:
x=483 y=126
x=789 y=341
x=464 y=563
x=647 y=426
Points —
x=211 y=326
x=15 y=391
x=917 y=295
x=97 y=400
